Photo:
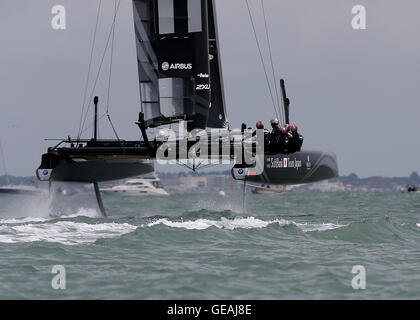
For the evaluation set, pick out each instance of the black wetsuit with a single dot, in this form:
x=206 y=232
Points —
x=295 y=142
x=278 y=141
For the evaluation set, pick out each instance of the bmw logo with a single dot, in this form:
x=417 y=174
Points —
x=45 y=172
x=165 y=66
x=241 y=171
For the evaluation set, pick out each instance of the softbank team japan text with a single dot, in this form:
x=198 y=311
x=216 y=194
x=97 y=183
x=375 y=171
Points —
x=231 y=310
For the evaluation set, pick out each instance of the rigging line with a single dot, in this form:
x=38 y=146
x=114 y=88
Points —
x=261 y=57
x=91 y=125
x=184 y=165
x=113 y=128
x=111 y=60
x=271 y=59
x=110 y=74
x=101 y=64
x=89 y=68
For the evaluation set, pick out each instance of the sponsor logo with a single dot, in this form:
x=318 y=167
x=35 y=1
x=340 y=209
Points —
x=308 y=163
x=165 y=66
x=202 y=87
x=279 y=163
x=44 y=174
x=202 y=75
x=176 y=66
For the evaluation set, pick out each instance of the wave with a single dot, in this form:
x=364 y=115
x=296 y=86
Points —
x=375 y=230
x=22 y=220
x=240 y=223
x=82 y=212
x=64 y=232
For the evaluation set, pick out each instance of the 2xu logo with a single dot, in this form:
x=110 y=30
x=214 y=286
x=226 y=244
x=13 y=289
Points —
x=58 y=22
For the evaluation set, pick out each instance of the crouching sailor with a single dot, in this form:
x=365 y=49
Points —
x=278 y=138
x=295 y=140
x=260 y=126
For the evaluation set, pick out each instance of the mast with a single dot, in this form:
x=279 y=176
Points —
x=286 y=101
x=95 y=124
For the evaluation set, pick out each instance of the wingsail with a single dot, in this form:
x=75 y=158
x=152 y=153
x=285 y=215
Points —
x=178 y=63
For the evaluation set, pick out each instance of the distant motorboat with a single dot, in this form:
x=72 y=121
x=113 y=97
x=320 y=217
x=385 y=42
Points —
x=140 y=186
x=269 y=190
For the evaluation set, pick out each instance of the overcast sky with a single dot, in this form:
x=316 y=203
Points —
x=353 y=92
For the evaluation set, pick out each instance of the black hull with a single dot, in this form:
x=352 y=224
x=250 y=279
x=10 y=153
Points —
x=106 y=161
x=97 y=170
x=291 y=169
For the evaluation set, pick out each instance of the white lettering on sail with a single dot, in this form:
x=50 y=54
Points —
x=176 y=66
x=202 y=87
x=181 y=66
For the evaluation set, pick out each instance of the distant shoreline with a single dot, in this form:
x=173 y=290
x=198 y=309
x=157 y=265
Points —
x=214 y=182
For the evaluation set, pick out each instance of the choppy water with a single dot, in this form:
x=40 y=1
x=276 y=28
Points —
x=291 y=246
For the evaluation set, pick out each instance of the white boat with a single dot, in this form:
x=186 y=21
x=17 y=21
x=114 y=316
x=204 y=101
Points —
x=270 y=190
x=140 y=186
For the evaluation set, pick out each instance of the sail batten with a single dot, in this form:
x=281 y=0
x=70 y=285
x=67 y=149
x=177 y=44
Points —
x=177 y=61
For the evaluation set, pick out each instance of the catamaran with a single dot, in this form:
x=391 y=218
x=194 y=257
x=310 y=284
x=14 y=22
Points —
x=180 y=81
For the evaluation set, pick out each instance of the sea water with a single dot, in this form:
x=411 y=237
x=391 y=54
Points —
x=284 y=246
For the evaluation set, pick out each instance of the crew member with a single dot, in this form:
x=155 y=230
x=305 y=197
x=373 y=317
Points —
x=275 y=128
x=278 y=138
x=260 y=126
x=295 y=140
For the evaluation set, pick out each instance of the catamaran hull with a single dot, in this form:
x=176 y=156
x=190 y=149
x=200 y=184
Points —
x=290 y=169
x=92 y=171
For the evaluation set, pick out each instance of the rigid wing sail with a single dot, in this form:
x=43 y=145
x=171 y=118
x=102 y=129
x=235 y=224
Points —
x=180 y=80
